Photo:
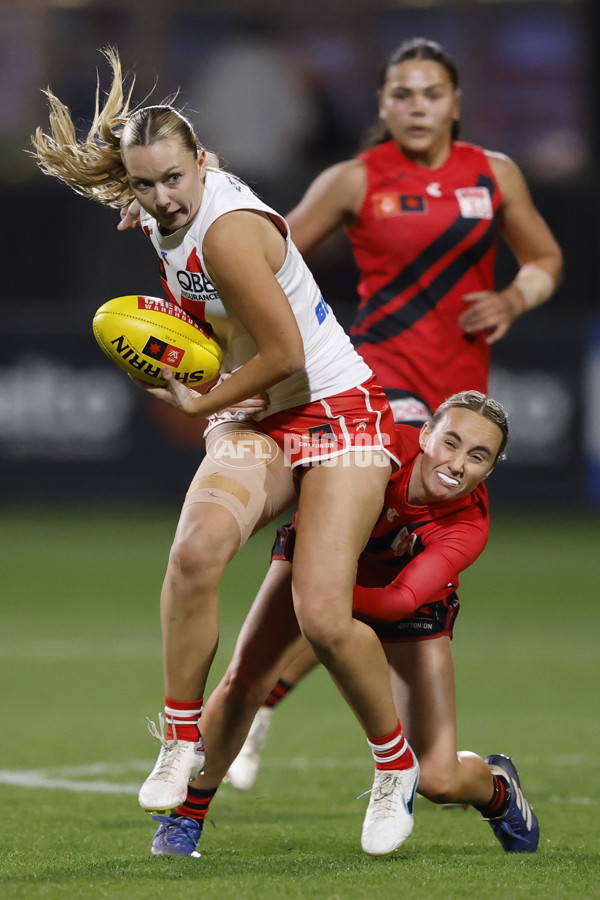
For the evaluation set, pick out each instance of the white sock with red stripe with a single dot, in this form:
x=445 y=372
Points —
x=185 y=718
x=391 y=751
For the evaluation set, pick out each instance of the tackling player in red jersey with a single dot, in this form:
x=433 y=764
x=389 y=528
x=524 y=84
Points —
x=434 y=524
x=423 y=212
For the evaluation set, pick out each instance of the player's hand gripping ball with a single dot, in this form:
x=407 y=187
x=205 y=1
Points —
x=142 y=334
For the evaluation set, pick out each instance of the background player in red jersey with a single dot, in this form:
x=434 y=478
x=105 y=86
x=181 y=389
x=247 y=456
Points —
x=434 y=524
x=423 y=212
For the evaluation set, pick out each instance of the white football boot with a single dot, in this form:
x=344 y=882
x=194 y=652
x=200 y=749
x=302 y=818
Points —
x=178 y=763
x=389 y=818
x=243 y=770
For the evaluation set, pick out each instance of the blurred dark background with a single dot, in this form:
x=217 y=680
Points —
x=279 y=93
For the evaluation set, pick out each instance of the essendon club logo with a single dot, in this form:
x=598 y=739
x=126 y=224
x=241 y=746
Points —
x=164 y=353
x=322 y=432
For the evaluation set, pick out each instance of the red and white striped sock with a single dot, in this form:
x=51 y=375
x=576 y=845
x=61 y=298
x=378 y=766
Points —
x=185 y=718
x=392 y=751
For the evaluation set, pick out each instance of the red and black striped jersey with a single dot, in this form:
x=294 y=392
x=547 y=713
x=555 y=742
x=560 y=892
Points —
x=422 y=239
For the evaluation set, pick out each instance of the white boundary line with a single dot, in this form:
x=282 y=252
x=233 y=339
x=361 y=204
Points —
x=84 y=779
x=71 y=778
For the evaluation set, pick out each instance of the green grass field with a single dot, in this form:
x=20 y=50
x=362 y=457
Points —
x=81 y=668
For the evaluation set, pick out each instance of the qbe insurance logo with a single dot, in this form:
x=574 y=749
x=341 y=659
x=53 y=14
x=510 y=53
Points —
x=243 y=450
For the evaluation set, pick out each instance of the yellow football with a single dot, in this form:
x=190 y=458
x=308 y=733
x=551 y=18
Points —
x=142 y=334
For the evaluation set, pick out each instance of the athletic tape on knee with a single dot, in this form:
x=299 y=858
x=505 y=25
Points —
x=245 y=502
x=244 y=472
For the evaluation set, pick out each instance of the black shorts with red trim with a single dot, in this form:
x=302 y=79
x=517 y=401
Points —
x=431 y=620
x=283 y=547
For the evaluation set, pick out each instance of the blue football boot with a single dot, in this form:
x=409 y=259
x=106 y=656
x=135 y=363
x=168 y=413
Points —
x=517 y=829
x=176 y=836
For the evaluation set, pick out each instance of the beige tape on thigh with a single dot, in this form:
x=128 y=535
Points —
x=253 y=488
x=224 y=483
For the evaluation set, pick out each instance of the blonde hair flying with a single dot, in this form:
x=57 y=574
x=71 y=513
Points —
x=94 y=166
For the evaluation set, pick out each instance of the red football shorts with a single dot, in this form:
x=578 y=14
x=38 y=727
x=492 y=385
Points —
x=357 y=420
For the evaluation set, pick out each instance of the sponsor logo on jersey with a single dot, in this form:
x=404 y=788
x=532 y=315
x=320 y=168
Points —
x=412 y=203
x=164 y=352
x=434 y=189
x=475 y=203
x=193 y=283
x=196 y=286
x=321 y=310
